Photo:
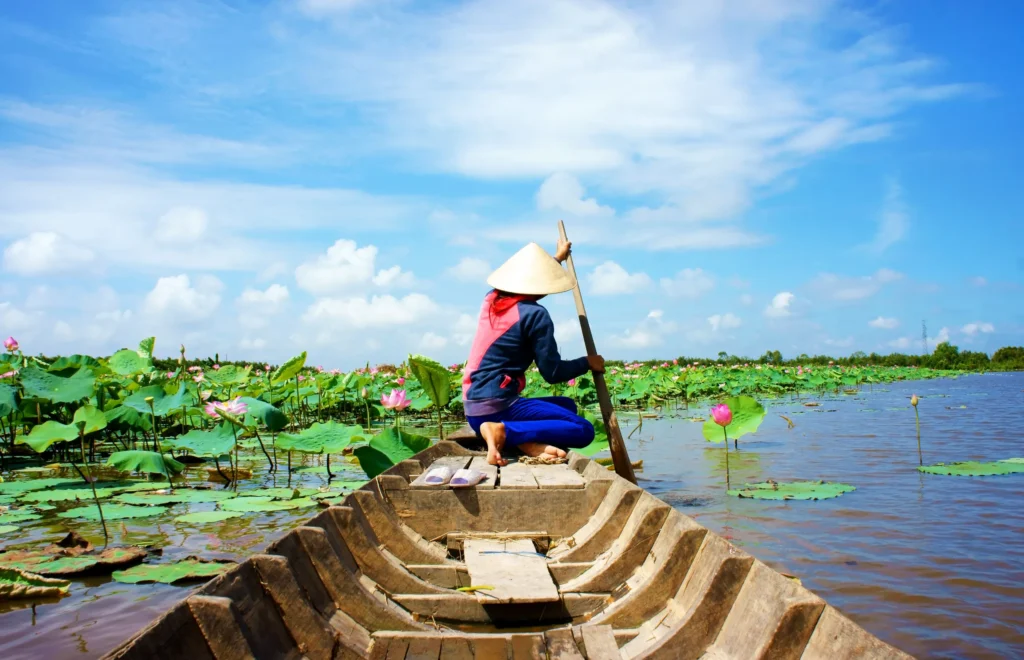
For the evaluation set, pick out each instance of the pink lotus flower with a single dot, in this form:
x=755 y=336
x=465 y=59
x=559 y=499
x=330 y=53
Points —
x=170 y=374
x=799 y=371
x=266 y=367
x=572 y=382
x=676 y=361
x=400 y=380
x=301 y=378
x=234 y=407
x=205 y=394
x=194 y=368
x=396 y=400
x=9 y=374
x=721 y=415
x=216 y=367
x=198 y=377
x=11 y=344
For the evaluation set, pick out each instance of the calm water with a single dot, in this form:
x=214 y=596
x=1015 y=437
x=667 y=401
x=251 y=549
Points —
x=932 y=564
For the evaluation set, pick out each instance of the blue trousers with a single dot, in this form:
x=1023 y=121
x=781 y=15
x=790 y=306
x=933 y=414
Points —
x=552 y=420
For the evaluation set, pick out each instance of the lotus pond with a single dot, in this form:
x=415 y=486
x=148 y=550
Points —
x=208 y=464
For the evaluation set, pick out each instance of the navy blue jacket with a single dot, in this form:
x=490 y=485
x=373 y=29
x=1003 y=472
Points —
x=505 y=346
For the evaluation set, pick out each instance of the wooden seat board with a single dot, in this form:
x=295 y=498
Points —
x=480 y=463
x=515 y=570
x=453 y=462
x=517 y=476
x=557 y=476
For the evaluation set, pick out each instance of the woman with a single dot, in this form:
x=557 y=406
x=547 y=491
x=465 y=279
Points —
x=512 y=333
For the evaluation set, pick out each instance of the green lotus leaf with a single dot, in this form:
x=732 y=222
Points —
x=179 y=496
x=7 y=529
x=76 y=490
x=112 y=512
x=433 y=377
x=600 y=441
x=128 y=416
x=15 y=584
x=271 y=416
x=747 y=415
x=144 y=461
x=12 y=517
x=280 y=493
x=976 y=468
x=261 y=505
x=163 y=403
x=209 y=444
x=70 y=364
x=227 y=375
x=27 y=485
x=127 y=362
x=201 y=517
x=794 y=490
x=91 y=418
x=321 y=438
x=389 y=447
x=8 y=404
x=289 y=369
x=43 y=564
x=45 y=434
x=38 y=383
x=189 y=569
x=146 y=347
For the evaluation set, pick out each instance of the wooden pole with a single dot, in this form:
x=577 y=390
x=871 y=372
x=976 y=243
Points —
x=623 y=467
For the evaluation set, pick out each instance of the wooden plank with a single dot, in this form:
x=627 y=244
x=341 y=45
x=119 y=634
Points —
x=424 y=648
x=599 y=642
x=492 y=648
x=480 y=463
x=529 y=647
x=456 y=648
x=518 y=573
x=562 y=645
x=397 y=648
x=557 y=476
x=517 y=476
x=453 y=462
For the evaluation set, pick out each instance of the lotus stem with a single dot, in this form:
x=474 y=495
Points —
x=92 y=484
x=917 y=422
x=728 y=486
x=440 y=426
x=367 y=404
x=216 y=464
x=260 y=440
x=329 y=475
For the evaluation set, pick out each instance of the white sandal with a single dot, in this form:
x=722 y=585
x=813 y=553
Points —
x=465 y=477
x=439 y=476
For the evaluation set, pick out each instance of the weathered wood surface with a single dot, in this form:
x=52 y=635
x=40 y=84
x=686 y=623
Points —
x=599 y=643
x=557 y=476
x=514 y=568
x=517 y=476
x=453 y=462
x=480 y=463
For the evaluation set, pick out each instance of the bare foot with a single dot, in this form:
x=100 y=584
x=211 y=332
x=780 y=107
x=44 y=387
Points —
x=494 y=435
x=539 y=448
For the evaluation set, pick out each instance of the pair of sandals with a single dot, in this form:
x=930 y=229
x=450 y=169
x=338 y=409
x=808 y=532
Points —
x=462 y=478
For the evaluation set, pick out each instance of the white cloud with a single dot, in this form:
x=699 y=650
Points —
x=942 y=336
x=375 y=312
x=779 y=306
x=62 y=331
x=846 y=342
x=432 y=342
x=465 y=329
x=329 y=7
x=470 y=269
x=746 y=299
x=347 y=268
x=724 y=321
x=13 y=319
x=649 y=333
x=183 y=224
x=884 y=323
x=974 y=328
x=893 y=221
x=249 y=344
x=916 y=343
x=688 y=283
x=978 y=280
x=45 y=252
x=563 y=192
x=175 y=298
x=835 y=287
x=902 y=343
x=256 y=307
x=394 y=277
x=610 y=278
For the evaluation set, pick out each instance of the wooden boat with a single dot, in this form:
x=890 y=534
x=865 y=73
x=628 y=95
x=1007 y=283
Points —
x=553 y=561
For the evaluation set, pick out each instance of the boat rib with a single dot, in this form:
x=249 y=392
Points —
x=583 y=565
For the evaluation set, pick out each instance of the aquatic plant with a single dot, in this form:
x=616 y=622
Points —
x=722 y=416
x=917 y=422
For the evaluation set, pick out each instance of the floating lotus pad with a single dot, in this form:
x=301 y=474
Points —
x=16 y=583
x=7 y=529
x=201 y=517
x=15 y=488
x=793 y=490
x=69 y=492
x=976 y=468
x=12 y=517
x=189 y=569
x=179 y=496
x=262 y=505
x=280 y=493
x=112 y=512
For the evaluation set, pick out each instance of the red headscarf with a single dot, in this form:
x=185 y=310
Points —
x=502 y=302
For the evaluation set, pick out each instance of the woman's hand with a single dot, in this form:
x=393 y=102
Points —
x=596 y=363
x=563 y=250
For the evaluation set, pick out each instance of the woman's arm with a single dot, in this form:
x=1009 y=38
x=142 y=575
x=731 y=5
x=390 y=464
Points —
x=552 y=367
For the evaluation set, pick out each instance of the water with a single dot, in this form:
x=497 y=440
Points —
x=933 y=564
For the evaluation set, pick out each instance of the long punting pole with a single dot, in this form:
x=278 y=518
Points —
x=620 y=457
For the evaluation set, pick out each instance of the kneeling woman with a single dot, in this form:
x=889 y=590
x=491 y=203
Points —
x=512 y=333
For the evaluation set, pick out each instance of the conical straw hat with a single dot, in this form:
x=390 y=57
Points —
x=531 y=271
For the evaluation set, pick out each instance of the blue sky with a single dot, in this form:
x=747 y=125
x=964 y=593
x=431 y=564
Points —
x=257 y=178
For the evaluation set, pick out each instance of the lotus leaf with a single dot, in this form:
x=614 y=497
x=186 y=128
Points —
x=76 y=490
x=210 y=444
x=280 y=493
x=7 y=401
x=201 y=517
x=289 y=369
x=271 y=416
x=16 y=584
x=747 y=415
x=261 y=505
x=72 y=363
x=112 y=512
x=179 y=496
x=21 y=487
x=600 y=441
x=976 y=468
x=46 y=434
x=390 y=447
x=794 y=490
x=128 y=416
x=144 y=461
x=90 y=418
x=321 y=438
x=12 y=517
x=433 y=377
x=189 y=569
x=127 y=362
x=38 y=383
x=7 y=529
x=47 y=564
x=146 y=346
x=163 y=403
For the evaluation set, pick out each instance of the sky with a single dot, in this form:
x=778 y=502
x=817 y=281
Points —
x=255 y=178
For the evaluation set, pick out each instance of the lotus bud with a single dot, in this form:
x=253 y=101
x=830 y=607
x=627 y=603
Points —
x=721 y=414
x=364 y=393
x=400 y=380
x=11 y=344
x=913 y=400
x=149 y=400
x=572 y=382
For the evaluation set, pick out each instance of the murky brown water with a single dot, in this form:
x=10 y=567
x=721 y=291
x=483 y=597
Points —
x=932 y=564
